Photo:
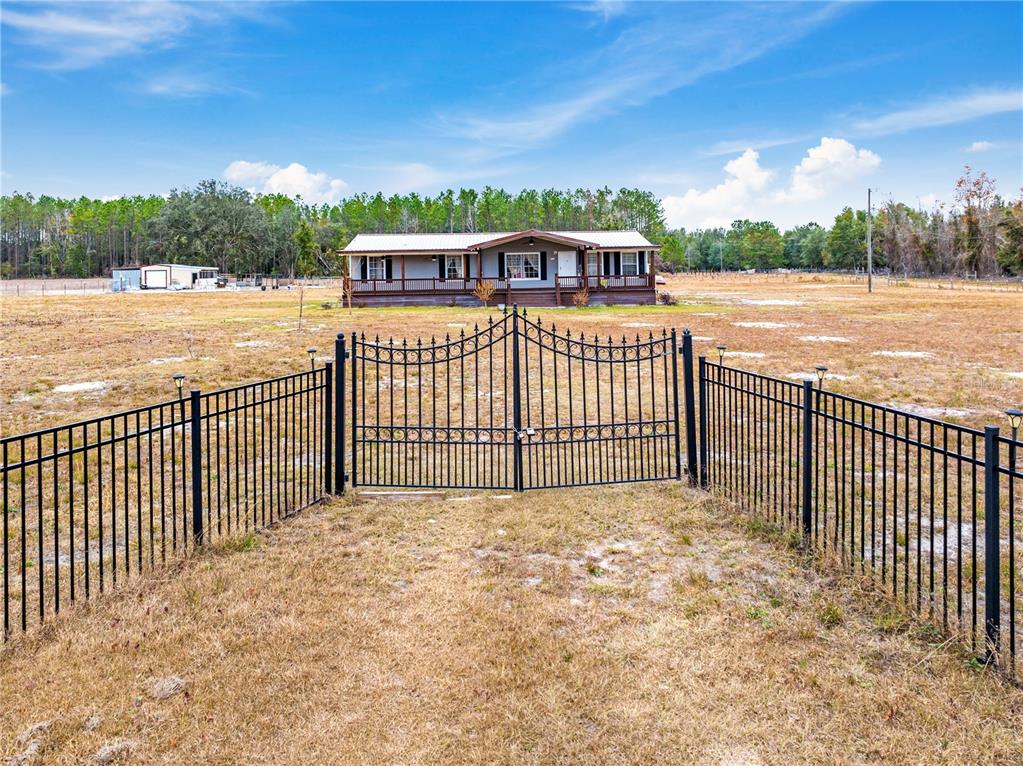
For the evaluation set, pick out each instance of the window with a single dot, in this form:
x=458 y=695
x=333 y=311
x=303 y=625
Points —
x=375 y=267
x=453 y=267
x=522 y=265
x=630 y=264
x=593 y=264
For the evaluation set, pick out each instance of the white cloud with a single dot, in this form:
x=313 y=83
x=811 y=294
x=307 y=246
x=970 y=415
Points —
x=669 y=46
x=980 y=146
x=828 y=165
x=605 y=9
x=185 y=85
x=944 y=111
x=76 y=36
x=721 y=204
x=295 y=180
x=818 y=187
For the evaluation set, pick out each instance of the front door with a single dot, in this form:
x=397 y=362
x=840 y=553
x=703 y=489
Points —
x=566 y=263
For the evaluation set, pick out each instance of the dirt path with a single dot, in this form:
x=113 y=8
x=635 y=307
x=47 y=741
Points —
x=621 y=626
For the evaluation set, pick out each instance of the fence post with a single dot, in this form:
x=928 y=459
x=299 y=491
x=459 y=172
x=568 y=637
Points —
x=328 y=424
x=198 y=534
x=704 y=447
x=806 y=462
x=992 y=544
x=339 y=423
x=516 y=399
x=675 y=348
x=690 y=397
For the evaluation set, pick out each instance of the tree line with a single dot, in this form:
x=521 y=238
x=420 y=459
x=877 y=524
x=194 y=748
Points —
x=239 y=232
x=981 y=234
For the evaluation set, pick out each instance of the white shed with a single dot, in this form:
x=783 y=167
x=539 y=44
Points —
x=179 y=276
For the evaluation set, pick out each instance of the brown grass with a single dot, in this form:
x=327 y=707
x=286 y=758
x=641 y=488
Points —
x=659 y=630
x=972 y=334
x=648 y=627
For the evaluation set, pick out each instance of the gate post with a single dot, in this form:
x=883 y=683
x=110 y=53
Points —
x=355 y=392
x=992 y=545
x=516 y=400
x=690 y=394
x=704 y=447
x=328 y=425
x=806 y=461
x=198 y=534
x=339 y=421
x=675 y=348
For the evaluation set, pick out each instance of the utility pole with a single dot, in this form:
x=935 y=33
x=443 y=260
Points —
x=870 y=245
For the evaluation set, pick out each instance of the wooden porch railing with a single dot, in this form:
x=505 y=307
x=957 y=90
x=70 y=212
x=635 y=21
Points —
x=467 y=285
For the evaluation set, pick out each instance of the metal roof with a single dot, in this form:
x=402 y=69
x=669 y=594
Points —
x=396 y=243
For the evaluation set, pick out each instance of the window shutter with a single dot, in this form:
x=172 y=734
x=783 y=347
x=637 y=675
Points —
x=388 y=267
x=543 y=264
x=618 y=263
x=442 y=266
x=364 y=267
x=642 y=261
x=500 y=266
x=607 y=264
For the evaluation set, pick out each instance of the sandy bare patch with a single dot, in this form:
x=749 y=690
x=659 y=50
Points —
x=253 y=344
x=770 y=302
x=1009 y=373
x=823 y=339
x=78 y=388
x=813 y=376
x=762 y=325
x=638 y=324
x=746 y=354
x=930 y=412
x=904 y=354
x=167 y=360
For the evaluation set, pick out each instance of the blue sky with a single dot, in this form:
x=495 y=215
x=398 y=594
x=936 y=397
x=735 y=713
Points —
x=779 y=111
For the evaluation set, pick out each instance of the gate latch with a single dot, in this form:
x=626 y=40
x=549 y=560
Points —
x=523 y=434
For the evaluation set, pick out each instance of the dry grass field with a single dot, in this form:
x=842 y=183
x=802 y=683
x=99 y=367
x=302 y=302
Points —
x=617 y=625
x=648 y=627
x=955 y=353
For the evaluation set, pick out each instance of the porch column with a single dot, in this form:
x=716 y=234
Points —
x=479 y=264
x=403 y=269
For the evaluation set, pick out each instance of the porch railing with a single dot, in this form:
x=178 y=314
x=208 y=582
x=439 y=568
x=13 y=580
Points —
x=468 y=284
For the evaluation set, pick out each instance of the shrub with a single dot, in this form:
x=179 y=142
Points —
x=484 y=290
x=667 y=299
x=581 y=297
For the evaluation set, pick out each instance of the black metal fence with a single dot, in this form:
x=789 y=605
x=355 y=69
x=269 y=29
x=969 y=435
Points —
x=93 y=503
x=928 y=508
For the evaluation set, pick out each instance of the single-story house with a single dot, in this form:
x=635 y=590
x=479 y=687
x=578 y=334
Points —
x=179 y=276
x=531 y=268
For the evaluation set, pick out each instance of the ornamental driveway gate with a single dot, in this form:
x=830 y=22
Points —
x=516 y=405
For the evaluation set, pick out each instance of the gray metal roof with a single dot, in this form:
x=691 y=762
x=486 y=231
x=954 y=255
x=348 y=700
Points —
x=396 y=243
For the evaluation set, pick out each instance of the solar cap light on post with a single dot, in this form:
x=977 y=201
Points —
x=312 y=358
x=1015 y=420
x=179 y=381
x=721 y=354
x=821 y=372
